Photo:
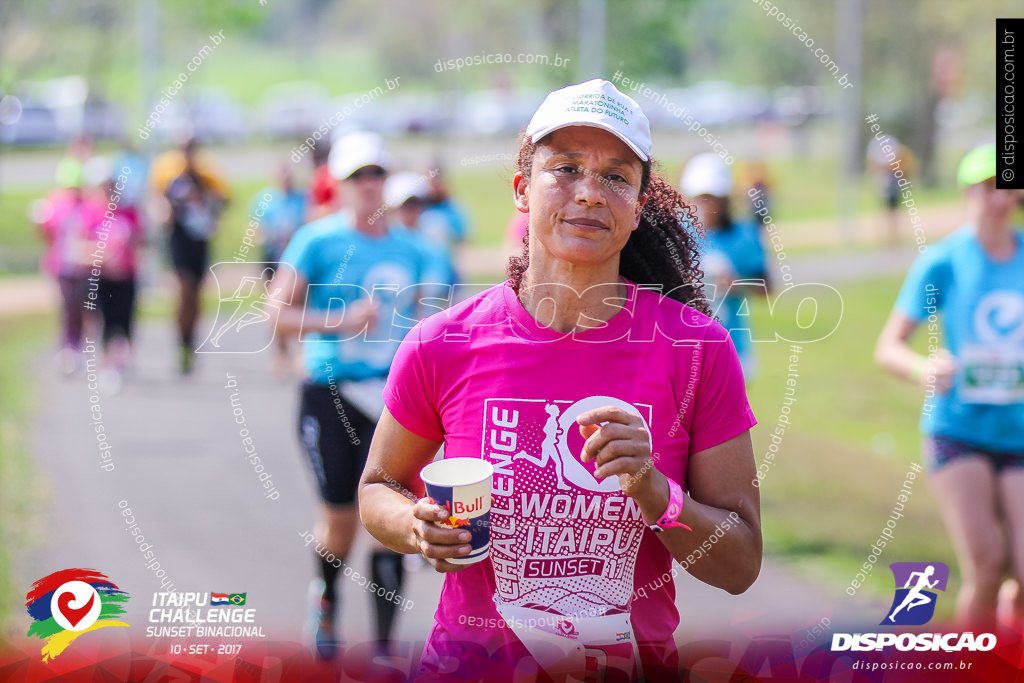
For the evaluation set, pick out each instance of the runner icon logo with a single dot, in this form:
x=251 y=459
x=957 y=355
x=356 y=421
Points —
x=916 y=584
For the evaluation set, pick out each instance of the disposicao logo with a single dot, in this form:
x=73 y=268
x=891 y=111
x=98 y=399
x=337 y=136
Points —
x=913 y=604
x=68 y=603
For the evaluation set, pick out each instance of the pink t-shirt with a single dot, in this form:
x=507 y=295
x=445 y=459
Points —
x=491 y=382
x=116 y=238
x=68 y=225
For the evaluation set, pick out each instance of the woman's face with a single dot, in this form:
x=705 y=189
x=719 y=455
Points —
x=410 y=211
x=582 y=195
x=364 y=189
x=710 y=210
x=997 y=204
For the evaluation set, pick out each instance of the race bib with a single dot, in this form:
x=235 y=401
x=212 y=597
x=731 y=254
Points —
x=991 y=375
x=198 y=221
x=574 y=645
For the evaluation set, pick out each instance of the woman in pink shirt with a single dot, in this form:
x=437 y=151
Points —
x=615 y=418
x=66 y=220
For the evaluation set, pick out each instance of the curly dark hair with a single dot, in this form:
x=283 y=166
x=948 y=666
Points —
x=663 y=250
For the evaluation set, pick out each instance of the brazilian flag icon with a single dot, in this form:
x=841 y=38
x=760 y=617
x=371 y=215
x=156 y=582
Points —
x=237 y=598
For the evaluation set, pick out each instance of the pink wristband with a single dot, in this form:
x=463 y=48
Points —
x=668 y=519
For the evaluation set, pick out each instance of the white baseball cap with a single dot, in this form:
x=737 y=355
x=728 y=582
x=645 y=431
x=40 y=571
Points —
x=402 y=187
x=356 y=150
x=596 y=103
x=706 y=173
x=97 y=171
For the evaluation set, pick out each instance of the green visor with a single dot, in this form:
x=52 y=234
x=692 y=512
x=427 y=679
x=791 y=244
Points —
x=978 y=166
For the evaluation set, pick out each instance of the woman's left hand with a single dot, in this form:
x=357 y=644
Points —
x=619 y=443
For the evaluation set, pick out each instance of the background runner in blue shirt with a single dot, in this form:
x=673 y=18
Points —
x=969 y=291
x=351 y=295
x=731 y=251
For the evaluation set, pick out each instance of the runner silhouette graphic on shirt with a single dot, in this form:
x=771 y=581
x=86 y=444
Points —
x=549 y=447
x=916 y=597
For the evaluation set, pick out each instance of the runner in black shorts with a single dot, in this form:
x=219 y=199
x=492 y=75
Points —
x=346 y=352
x=117 y=304
x=121 y=234
x=193 y=197
x=336 y=438
x=190 y=257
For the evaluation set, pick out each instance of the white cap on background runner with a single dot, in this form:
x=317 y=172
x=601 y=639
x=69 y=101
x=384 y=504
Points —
x=595 y=103
x=706 y=173
x=404 y=186
x=356 y=150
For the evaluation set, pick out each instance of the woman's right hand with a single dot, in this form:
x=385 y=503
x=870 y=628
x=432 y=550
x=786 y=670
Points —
x=435 y=541
x=939 y=371
x=357 y=316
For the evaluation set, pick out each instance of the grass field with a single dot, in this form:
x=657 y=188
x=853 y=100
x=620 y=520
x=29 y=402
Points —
x=841 y=465
x=20 y=245
x=19 y=496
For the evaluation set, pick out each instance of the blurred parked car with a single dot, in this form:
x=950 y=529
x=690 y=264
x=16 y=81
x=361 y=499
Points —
x=293 y=110
x=208 y=113
x=29 y=123
x=393 y=113
x=103 y=120
x=494 y=112
x=795 y=105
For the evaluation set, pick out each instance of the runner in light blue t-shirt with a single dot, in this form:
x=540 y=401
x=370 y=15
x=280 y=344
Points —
x=348 y=285
x=732 y=255
x=279 y=210
x=343 y=265
x=968 y=292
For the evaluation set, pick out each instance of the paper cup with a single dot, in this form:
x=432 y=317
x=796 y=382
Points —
x=463 y=486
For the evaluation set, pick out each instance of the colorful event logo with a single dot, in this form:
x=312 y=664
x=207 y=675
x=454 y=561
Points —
x=68 y=603
x=914 y=603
